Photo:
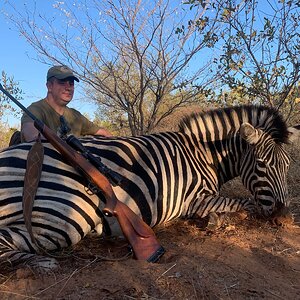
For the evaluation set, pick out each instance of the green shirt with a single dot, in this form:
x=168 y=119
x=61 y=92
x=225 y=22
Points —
x=78 y=123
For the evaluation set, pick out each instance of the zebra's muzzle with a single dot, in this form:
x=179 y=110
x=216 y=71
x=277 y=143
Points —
x=281 y=216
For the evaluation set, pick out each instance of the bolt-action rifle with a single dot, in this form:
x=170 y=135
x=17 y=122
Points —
x=139 y=235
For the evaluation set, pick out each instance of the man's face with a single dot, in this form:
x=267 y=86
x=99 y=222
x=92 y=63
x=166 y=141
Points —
x=62 y=90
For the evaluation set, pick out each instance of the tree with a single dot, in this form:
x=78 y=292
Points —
x=12 y=87
x=136 y=57
x=260 y=49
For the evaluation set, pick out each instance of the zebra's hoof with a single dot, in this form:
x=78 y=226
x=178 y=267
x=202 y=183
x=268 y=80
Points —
x=215 y=221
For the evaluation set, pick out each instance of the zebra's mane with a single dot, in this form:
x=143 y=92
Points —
x=219 y=123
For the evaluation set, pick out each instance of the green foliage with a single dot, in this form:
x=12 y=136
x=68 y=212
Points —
x=6 y=108
x=13 y=88
x=259 y=51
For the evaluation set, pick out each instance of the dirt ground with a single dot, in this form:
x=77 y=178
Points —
x=244 y=259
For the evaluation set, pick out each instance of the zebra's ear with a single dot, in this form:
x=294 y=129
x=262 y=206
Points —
x=294 y=133
x=249 y=133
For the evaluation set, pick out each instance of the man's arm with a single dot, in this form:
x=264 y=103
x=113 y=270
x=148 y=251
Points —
x=90 y=128
x=29 y=132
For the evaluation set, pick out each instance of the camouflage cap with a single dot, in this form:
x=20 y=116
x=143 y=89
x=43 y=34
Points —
x=61 y=72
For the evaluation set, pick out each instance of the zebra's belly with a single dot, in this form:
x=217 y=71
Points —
x=62 y=214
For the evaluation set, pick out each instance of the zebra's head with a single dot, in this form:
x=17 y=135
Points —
x=247 y=141
x=264 y=169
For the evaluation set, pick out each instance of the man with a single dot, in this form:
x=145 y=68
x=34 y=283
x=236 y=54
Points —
x=54 y=112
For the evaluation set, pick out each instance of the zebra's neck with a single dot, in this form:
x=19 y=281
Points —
x=225 y=156
x=220 y=124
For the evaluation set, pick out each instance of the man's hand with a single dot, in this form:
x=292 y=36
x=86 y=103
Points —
x=104 y=132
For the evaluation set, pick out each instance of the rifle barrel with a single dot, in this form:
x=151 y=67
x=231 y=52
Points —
x=32 y=116
x=139 y=234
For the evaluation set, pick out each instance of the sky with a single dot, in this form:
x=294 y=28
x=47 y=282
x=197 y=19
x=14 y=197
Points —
x=18 y=60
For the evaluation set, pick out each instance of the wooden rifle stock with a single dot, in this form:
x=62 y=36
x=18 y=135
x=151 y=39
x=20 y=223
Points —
x=139 y=235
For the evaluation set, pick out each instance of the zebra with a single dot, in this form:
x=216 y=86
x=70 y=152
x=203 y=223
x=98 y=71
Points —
x=164 y=176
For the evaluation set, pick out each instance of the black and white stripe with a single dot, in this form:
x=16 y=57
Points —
x=164 y=176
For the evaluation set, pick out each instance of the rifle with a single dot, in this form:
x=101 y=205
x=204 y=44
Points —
x=139 y=235
x=112 y=176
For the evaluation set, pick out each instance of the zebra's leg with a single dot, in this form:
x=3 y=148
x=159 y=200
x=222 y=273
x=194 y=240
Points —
x=16 y=249
x=216 y=207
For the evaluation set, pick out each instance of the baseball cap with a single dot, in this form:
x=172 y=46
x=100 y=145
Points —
x=61 y=72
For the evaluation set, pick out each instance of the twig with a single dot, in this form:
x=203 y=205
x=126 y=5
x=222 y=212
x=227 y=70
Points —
x=80 y=269
x=165 y=272
x=7 y=279
x=296 y=270
x=227 y=291
x=274 y=294
x=66 y=278
x=124 y=257
x=284 y=250
x=50 y=286
x=76 y=271
x=233 y=285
